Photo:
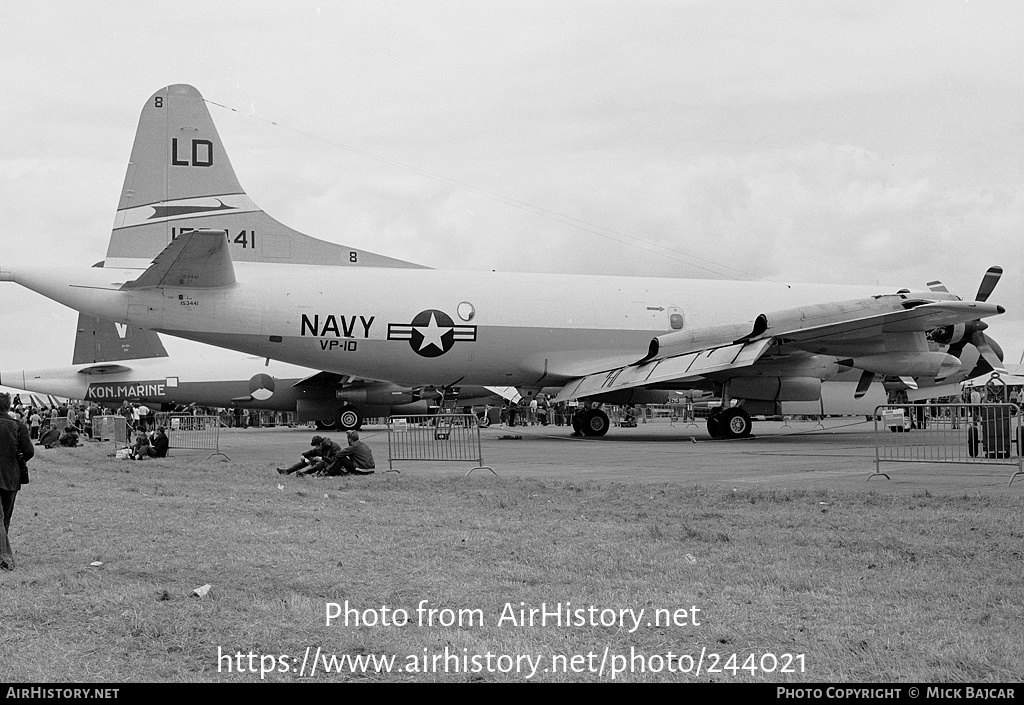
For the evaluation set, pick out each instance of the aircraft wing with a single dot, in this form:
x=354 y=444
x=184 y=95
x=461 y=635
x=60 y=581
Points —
x=884 y=334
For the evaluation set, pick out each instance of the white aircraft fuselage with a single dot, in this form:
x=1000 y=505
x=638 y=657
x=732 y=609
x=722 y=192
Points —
x=429 y=326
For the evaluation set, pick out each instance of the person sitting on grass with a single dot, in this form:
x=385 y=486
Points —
x=160 y=443
x=317 y=459
x=142 y=448
x=48 y=437
x=68 y=439
x=356 y=459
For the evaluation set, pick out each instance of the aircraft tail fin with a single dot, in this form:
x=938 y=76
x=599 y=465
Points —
x=105 y=341
x=180 y=179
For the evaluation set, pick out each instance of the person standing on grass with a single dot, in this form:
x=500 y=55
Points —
x=34 y=422
x=15 y=450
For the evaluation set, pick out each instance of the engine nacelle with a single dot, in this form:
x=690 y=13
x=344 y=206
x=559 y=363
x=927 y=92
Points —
x=950 y=335
x=776 y=388
x=936 y=365
x=378 y=394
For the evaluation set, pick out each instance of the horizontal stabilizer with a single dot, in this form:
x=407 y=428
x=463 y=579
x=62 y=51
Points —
x=196 y=260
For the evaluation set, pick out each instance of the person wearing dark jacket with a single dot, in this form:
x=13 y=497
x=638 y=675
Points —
x=319 y=458
x=48 y=437
x=15 y=451
x=356 y=459
x=141 y=449
x=160 y=443
x=68 y=439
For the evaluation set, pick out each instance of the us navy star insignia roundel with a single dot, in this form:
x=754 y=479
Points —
x=431 y=333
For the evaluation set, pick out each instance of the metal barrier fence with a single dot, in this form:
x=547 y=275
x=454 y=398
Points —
x=674 y=413
x=187 y=432
x=450 y=437
x=629 y=416
x=110 y=428
x=972 y=434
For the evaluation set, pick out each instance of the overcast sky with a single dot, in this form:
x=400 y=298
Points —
x=855 y=142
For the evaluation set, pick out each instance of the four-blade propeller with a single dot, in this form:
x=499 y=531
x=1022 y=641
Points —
x=957 y=337
x=991 y=354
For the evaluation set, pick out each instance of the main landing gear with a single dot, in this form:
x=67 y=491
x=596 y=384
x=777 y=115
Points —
x=348 y=418
x=730 y=423
x=590 y=422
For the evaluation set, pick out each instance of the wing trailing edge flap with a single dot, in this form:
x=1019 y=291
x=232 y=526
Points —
x=197 y=259
x=689 y=366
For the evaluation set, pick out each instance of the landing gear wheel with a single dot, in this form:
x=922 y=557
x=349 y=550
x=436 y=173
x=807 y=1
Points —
x=594 y=423
x=735 y=423
x=483 y=421
x=327 y=424
x=349 y=418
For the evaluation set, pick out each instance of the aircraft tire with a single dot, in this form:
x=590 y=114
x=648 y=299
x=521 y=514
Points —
x=595 y=422
x=483 y=421
x=735 y=423
x=715 y=426
x=349 y=418
x=326 y=424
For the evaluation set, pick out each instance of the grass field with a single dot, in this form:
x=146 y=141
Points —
x=862 y=585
